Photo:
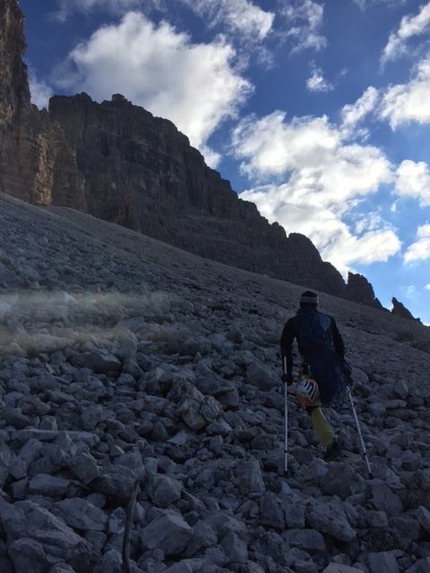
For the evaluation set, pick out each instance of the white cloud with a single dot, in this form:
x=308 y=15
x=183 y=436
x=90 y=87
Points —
x=238 y=16
x=378 y=245
x=40 y=91
x=353 y=114
x=195 y=86
x=317 y=82
x=364 y=4
x=420 y=250
x=324 y=226
x=67 y=7
x=312 y=148
x=323 y=177
x=413 y=180
x=304 y=20
x=371 y=221
x=410 y=26
x=405 y=103
x=427 y=287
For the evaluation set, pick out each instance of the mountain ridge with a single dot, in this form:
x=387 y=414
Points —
x=118 y=162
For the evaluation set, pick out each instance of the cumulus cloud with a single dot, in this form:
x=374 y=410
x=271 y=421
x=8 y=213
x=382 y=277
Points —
x=304 y=20
x=40 y=91
x=312 y=148
x=420 y=249
x=318 y=177
x=353 y=114
x=413 y=180
x=405 y=103
x=348 y=250
x=317 y=82
x=410 y=26
x=237 y=16
x=194 y=85
x=342 y=246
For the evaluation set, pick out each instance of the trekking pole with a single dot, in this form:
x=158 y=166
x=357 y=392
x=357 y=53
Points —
x=285 y=418
x=360 y=435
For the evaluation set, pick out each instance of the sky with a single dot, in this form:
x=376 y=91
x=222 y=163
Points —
x=318 y=112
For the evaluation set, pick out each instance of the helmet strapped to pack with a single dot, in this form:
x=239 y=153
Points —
x=307 y=391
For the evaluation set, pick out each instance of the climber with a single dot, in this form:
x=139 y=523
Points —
x=324 y=373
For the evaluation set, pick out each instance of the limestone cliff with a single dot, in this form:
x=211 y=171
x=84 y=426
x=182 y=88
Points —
x=141 y=172
x=35 y=159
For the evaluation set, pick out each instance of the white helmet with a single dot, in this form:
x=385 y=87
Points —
x=307 y=391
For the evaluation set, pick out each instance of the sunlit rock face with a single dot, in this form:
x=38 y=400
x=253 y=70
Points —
x=14 y=103
x=36 y=163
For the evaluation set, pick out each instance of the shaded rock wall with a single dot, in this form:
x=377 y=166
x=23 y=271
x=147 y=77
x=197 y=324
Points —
x=141 y=172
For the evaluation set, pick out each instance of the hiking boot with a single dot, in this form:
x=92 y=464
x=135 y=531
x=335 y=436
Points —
x=332 y=451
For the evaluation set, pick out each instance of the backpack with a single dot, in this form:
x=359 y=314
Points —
x=315 y=341
x=313 y=331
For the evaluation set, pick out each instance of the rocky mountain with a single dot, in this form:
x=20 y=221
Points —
x=142 y=416
x=116 y=161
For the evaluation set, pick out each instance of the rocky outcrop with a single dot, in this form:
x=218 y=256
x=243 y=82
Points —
x=118 y=162
x=359 y=289
x=399 y=309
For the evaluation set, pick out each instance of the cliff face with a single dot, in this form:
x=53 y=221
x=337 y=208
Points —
x=14 y=91
x=118 y=162
x=14 y=102
x=141 y=172
x=35 y=158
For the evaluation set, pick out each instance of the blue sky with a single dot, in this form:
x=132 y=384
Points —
x=319 y=112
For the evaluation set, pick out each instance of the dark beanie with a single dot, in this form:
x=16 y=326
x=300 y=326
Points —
x=308 y=298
